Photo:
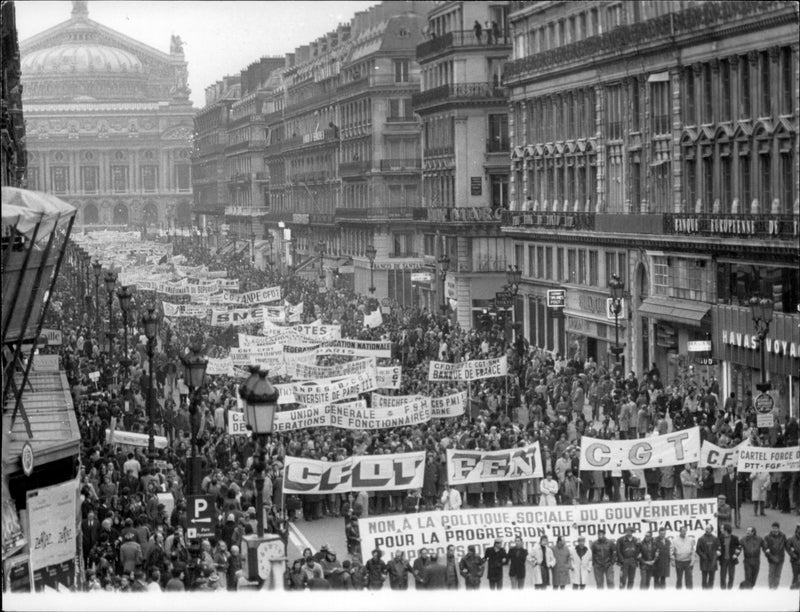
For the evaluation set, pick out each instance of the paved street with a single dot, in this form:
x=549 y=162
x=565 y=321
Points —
x=330 y=531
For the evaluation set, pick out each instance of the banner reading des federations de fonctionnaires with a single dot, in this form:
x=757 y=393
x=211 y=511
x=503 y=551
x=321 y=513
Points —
x=470 y=466
x=462 y=528
x=767 y=459
x=360 y=473
x=466 y=371
x=675 y=448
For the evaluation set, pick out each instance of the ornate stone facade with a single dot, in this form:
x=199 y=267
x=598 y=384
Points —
x=12 y=126
x=109 y=124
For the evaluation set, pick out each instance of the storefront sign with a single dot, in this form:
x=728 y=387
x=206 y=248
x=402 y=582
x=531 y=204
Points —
x=52 y=514
x=676 y=448
x=764 y=403
x=569 y=221
x=764 y=459
x=698 y=346
x=480 y=527
x=475 y=185
x=623 y=310
x=400 y=264
x=751 y=342
x=421 y=277
x=45 y=363
x=761 y=226
x=464 y=215
x=556 y=298
x=53 y=337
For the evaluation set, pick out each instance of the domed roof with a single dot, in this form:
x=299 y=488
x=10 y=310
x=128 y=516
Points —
x=75 y=58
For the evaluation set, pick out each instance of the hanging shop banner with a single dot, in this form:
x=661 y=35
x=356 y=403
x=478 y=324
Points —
x=52 y=520
x=468 y=370
x=766 y=459
x=130 y=438
x=467 y=466
x=357 y=366
x=197 y=311
x=461 y=528
x=313 y=416
x=449 y=406
x=389 y=377
x=219 y=367
x=394 y=472
x=251 y=298
x=331 y=392
x=236 y=316
x=358 y=348
x=715 y=456
x=676 y=448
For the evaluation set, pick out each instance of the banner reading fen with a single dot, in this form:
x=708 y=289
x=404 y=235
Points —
x=461 y=528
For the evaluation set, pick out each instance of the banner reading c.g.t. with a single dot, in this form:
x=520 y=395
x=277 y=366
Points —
x=360 y=473
x=675 y=448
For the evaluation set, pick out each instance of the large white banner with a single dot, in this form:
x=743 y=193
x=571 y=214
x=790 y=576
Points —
x=392 y=401
x=462 y=528
x=131 y=438
x=311 y=372
x=470 y=466
x=268 y=357
x=251 y=298
x=766 y=459
x=196 y=311
x=330 y=392
x=318 y=333
x=358 y=348
x=389 y=377
x=219 y=367
x=52 y=513
x=294 y=356
x=675 y=448
x=360 y=473
x=449 y=406
x=715 y=456
x=312 y=416
x=236 y=316
x=474 y=369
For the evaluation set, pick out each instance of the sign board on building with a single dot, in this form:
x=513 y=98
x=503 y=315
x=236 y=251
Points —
x=200 y=514
x=476 y=185
x=53 y=337
x=421 y=277
x=556 y=298
x=504 y=299
x=623 y=309
x=698 y=346
x=45 y=363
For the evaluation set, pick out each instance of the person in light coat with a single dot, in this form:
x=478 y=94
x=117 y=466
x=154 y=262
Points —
x=543 y=561
x=761 y=482
x=451 y=498
x=581 y=563
x=548 y=489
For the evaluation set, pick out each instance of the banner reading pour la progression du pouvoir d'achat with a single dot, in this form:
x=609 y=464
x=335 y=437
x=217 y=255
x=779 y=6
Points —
x=436 y=530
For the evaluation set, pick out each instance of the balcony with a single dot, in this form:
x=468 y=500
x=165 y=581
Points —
x=459 y=39
x=354 y=168
x=401 y=165
x=761 y=226
x=240 y=177
x=459 y=92
x=325 y=136
x=245 y=211
x=482 y=264
x=393 y=213
x=549 y=220
x=262 y=177
x=471 y=215
x=439 y=151
x=373 y=80
x=404 y=119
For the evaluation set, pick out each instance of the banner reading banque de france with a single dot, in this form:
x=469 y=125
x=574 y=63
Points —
x=766 y=459
x=462 y=528
x=675 y=448
x=359 y=473
x=471 y=466
x=474 y=369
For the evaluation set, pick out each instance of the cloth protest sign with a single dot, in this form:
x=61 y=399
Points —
x=318 y=333
x=268 y=357
x=768 y=459
x=237 y=423
x=318 y=415
x=715 y=456
x=373 y=319
x=273 y=314
x=675 y=448
x=196 y=311
x=395 y=472
x=392 y=401
x=480 y=527
x=219 y=366
x=329 y=392
x=295 y=312
x=474 y=369
x=389 y=377
x=251 y=298
x=236 y=316
x=358 y=348
x=310 y=371
x=131 y=438
x=449 y=405
x=470 y=466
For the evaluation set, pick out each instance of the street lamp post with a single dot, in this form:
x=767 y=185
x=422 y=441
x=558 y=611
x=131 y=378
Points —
x=617 y=289
x=150 y=322
x=270 y=239
x=513 y=278
x=252 y=247
x=110 y=281
x=124 y=295
x=97 y=268
x=194 y=367
x=321 y=253
x=444 y=266
x=761 y=310
x=371 y=253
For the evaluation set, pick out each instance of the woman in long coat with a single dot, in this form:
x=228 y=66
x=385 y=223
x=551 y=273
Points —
x=563 y=565
x=542 y=560
x=760 y=483
x=581 y=567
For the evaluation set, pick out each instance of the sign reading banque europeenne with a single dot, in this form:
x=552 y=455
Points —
x=468 y=370
x=468 y=466
x=765 y=459
x=359 y=473
x=462 y=528
x=676 y=448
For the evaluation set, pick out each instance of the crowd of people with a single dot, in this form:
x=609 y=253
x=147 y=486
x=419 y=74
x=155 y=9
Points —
x=131 y=541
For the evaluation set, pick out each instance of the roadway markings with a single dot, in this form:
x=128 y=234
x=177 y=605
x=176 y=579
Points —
x=299 y=540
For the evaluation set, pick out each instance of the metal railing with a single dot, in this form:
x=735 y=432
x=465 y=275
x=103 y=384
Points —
x=784 y=226
x=398 y=165
x=459 y=91
x=407 y=213
x=354 y=168
x=461 y=38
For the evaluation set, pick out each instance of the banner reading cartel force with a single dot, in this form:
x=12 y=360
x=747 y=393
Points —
x=764 y=459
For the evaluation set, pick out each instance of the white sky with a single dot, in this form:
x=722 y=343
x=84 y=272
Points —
x=220 y=37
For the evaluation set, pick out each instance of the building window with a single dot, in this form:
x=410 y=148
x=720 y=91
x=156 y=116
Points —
x=765 y=172
x=659 y=94
x=708 y=95
x=572 y=266
x=582 y=276
x=690 y=183
x=498 y=133
x=403 y=244
x=89 y=176
x=636 y=183
x=745 y=182
x=614 y=112
x=59 y=179
x=559 y=272
x=531 y=261
x=787 y=180
x=593 y=269
x=660 y=275
x=744 y=82
x=401 y=71
x=400 y=110
x=183 y=177
x=689 y=98
x=726 y=94
x=539 y=262
x=548 y=267
x=726 y=183
x=634 y=94
x=149 y=178
x=660 y=189
x=787 y=81
x=766 y=93
x=32 y=179
x=429 y=244
x=611 y=265
x=708 y=182
x=519 y=257
x=499 y=183
x=119 y=179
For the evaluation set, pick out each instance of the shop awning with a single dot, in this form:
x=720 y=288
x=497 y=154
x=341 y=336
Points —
x=687 y=312
x=52 y=416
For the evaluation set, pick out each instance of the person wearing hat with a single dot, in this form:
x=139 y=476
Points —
x=603 y=559
x=495 y=558
x=471 y=568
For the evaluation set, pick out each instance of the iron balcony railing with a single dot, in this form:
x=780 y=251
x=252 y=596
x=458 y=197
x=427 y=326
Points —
x=399 y=165
x=459 y=91
x=457 y=39
x=402 y=213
